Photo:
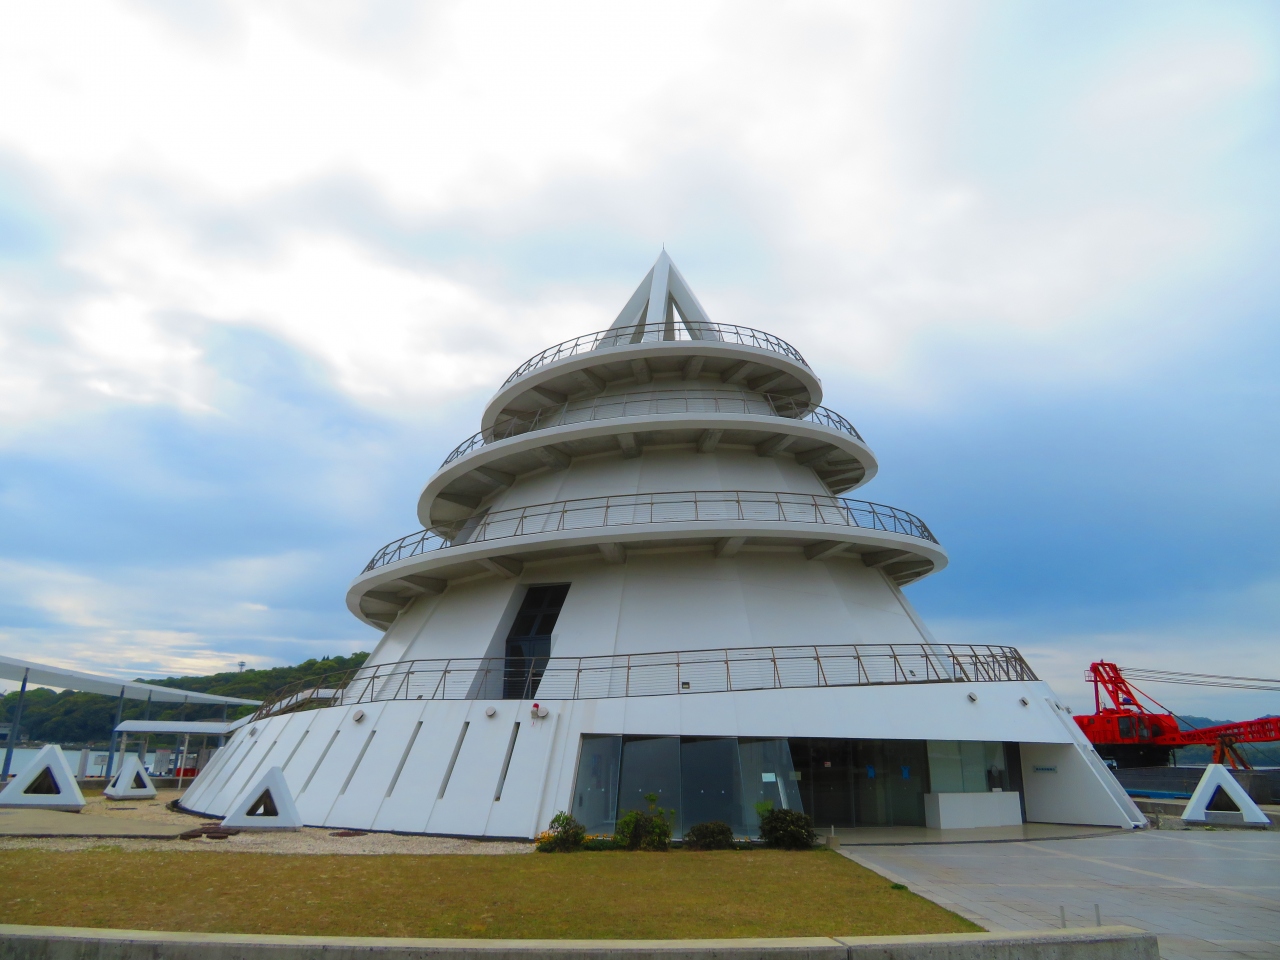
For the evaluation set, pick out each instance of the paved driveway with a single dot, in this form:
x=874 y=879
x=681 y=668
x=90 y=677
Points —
x=1205 y=894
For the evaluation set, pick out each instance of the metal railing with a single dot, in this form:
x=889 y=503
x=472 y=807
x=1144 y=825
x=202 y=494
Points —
x=655 y=403
x=636 y=508
x=656 y=674
x=653 y=333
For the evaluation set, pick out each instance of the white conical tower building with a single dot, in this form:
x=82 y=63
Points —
x=640 y=576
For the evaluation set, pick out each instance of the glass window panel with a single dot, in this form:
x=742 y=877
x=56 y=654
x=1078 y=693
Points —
x=767 y=774
x=711 y=782
x=892 y=777
x=973 y=763
x=651 y=765
x=945 y=772
x=997 y=767
x=595 y=792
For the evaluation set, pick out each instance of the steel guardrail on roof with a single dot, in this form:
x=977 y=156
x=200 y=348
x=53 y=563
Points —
x=679 y=672
x=651 y=333
x=654 y=403
x=636 y=508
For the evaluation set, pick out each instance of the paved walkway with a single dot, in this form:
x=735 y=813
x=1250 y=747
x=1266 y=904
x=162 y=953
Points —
x=1205 y=894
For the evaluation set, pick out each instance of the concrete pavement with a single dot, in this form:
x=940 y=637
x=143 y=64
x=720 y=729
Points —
x=1205 y=893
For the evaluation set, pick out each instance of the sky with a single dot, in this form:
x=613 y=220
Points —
x=261 y=264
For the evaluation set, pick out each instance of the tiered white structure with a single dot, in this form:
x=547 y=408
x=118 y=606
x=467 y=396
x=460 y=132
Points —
x=640 y=577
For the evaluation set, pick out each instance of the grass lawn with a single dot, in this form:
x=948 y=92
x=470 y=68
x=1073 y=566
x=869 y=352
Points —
x=582 y=895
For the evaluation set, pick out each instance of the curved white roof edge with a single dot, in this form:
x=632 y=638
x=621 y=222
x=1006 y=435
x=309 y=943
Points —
x=43 y=675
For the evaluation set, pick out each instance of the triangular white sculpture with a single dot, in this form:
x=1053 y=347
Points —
x=47 y=783
x=132 y=782
x=1217 y=776
x=267 y=806
x=662 y=300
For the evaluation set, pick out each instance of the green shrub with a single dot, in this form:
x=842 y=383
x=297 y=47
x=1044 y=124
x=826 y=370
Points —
x=712 y=835
x=787 y=830
x=636 y=830
x=565 y=835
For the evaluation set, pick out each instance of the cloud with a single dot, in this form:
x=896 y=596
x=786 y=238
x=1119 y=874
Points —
x=260 y=265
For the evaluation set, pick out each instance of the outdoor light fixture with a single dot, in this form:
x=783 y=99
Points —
x=358 y=716
x=490 y=711
x=538 y=712
x=973 y=698
x=1024 y=701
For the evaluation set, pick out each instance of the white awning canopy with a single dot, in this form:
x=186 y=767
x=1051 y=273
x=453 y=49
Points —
x=43 y=675
x=209 y=728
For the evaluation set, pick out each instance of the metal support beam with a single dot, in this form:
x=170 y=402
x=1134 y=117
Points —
x=595 y=384
x=814 y=456
x=729 y=546
x=420 y=584
x=461 y=499
x=693 y=368
x=640 y=368
x=774 y=445
x=111 y=753
x=630 y=445
x=14 y=727
x=707 y=442
x=383 y=596
x=825 y=550
x=506 y=567
x=552 y=457
x=878 y=558
x=765 y=384
x=738 y=372
x=494 y=478
x=547 y=393
x=613 y=552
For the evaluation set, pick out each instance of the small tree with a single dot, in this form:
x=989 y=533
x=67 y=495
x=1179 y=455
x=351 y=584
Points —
x=712 y=835
x=565 y=835
x=636 y=830
x=787 y=830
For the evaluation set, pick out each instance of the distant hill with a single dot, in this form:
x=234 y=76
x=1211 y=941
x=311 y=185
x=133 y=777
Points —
x=1260 y=755
x=88 y=718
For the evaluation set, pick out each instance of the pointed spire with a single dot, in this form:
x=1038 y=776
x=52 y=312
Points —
x=662 y=300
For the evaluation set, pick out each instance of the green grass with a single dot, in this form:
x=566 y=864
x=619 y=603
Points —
x=586 y=895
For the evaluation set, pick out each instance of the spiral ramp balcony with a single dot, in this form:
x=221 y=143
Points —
x=603 y=446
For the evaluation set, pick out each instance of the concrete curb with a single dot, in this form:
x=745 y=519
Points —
x=82 y=943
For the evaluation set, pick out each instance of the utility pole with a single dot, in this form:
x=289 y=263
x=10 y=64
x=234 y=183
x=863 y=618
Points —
x=13 y=729
x=111 y=755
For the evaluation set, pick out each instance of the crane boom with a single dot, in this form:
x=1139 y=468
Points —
x=1126 y=730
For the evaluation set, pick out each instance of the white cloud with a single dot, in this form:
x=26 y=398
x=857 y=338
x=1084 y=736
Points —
x=813 y=129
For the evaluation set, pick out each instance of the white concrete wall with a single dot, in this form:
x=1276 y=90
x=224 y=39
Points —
x=962 y=811
x=319 y=750
x=666 y=601
x=662 y=470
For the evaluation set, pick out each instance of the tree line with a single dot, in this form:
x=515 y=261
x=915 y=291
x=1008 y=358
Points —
x=70 y=717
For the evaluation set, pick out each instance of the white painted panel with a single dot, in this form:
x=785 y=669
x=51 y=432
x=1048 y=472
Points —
x=321 y=727
x=356 y=804
x=463 y=621
x=409 y=806
x=464 y=809
x=515 y=814
x=1061 y=787
x=316 y=798
x=254 y=743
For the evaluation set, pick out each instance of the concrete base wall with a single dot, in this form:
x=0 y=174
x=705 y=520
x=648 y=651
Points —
x=70 y=943
x=952 y=811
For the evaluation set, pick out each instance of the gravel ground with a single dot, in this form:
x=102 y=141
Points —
x=307 y=840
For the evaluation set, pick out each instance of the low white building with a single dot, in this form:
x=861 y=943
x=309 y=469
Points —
x=642 y=577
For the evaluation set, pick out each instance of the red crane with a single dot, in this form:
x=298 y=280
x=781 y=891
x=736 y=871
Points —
x=1129 y=733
